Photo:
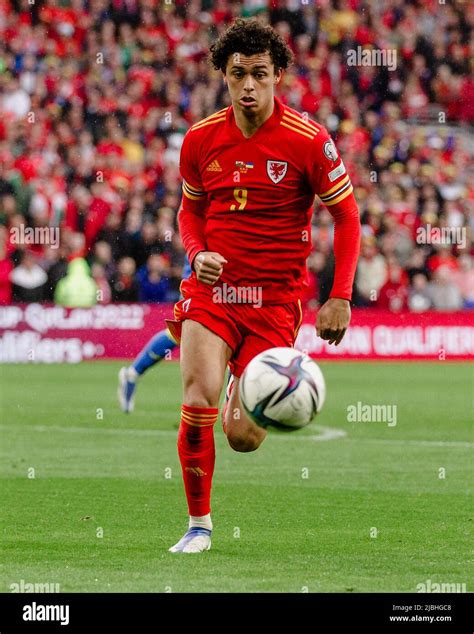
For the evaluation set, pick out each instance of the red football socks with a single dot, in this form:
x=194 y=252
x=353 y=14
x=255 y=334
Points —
x=197 y=456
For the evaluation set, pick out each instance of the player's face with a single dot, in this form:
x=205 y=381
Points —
x=251 y=81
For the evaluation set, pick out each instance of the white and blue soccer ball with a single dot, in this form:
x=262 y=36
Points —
x=282 y=387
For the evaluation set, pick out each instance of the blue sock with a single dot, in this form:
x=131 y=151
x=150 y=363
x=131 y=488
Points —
x=154 y=351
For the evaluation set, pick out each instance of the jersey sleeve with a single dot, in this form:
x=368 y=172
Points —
x=330 y=181
x=193 y=188
x=191 y=216
x=328 y=176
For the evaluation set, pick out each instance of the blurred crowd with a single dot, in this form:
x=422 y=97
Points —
x=96 y=96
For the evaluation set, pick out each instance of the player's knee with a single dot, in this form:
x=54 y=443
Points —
x=198 y=395
x=199 y=400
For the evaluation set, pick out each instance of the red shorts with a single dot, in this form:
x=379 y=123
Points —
x=246 y=328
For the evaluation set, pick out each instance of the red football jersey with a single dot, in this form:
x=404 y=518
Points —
x=251 y=200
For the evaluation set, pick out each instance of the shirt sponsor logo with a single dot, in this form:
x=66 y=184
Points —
x=276 y=170
x=330 y=151
x=339 y=171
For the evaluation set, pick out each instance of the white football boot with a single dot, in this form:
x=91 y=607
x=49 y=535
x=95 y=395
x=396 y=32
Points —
x=195 y=540
x=126 y=391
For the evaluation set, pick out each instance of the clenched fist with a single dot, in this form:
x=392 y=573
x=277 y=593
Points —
x=209 y=266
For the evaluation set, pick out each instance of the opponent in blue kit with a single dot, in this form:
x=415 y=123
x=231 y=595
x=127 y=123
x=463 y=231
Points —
x=154 y=351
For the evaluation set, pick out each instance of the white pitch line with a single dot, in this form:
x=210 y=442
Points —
x=92 y=430
x=327 y=433
x=421 y=443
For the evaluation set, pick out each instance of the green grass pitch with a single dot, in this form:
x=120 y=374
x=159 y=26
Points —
x=364 y=510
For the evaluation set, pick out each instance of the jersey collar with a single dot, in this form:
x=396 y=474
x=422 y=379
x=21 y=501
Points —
x=272 y=122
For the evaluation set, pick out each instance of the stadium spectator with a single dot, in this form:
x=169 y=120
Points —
x=154 y=285
x=55 y=262
x=77 y=289
x=104 y=292
x=394 y=294
x=126 y=287
x=16 y=102
x=28 y=279
x=417 y=265
x=444 y=293
x=102 y=255
x=371 y=272
x=463 y=279
x=443 y=257
x=419 y=299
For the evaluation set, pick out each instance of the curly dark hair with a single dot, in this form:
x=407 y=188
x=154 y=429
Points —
x=250 y=37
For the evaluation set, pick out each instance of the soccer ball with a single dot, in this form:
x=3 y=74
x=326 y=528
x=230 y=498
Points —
x=282 y=387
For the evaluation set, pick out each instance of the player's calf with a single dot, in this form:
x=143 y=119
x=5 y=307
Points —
x=242 y=433
x=204 y=357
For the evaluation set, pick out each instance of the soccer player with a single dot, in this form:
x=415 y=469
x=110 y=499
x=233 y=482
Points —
x=250 y=174
x=153 y=352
